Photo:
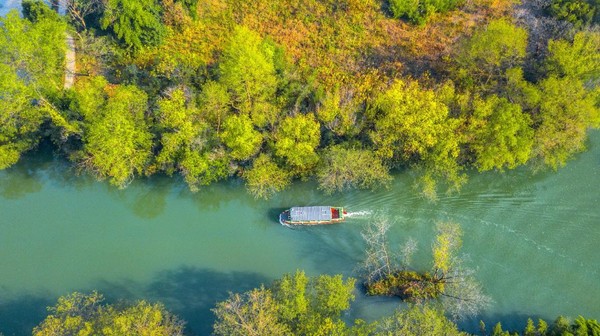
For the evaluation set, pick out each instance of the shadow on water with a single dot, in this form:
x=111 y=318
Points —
x=18 y=316
x=145 y=197
x=188 y=292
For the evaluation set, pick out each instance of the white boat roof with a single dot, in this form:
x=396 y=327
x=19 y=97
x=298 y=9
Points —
x=310 y=213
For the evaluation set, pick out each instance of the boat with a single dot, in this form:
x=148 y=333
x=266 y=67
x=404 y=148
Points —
x=312 y=215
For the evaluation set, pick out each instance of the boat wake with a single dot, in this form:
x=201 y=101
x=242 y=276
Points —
x=358 y=213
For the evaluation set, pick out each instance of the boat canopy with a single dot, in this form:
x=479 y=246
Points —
x=311 y=213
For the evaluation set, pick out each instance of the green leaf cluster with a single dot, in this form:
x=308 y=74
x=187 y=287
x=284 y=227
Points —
x=135 y=22
x=31 y=69
x=347 y=168
x=294 y=305
x=419 y=11
x=87 y=315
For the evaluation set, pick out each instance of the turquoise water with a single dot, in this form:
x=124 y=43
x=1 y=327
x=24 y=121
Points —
x=532 y=238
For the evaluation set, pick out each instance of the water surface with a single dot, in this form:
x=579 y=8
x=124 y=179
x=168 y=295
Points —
x=533 y=239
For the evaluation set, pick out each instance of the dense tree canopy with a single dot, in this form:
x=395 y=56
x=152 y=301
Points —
x=502 y=134
x=117 y=141
x=271 y=92
x=135 y=22
x=31 y=56
x=294 y=305
x=83 y=315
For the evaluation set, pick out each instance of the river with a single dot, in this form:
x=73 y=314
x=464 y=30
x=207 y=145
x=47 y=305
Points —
x=533 y=238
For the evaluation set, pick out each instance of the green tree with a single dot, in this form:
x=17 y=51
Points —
x=501 y=134
x=296 y=140
x=419 y=11
x=135 y=22
x=240 y=137
x=416 y=321
x=579 y=59
x=187 y=144
x=483 y=59
x=37 y=10
x=345 y=168
x=214 y=103
x=31 y=69
x=413 y=126
x=247 y=69
x=253 y=313
x=408 y=122
x=117 y=142
x=338 y=110
x=84 y=315
x=565 y=113
x=577 y=12
x=295 y=305
x=265 y=177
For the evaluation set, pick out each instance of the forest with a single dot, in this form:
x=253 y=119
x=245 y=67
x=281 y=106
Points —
x=344 y=92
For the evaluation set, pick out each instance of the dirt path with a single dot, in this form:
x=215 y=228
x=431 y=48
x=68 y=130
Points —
x=70 y=62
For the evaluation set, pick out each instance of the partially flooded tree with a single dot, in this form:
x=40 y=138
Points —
x=378 y=260
x=449 y=282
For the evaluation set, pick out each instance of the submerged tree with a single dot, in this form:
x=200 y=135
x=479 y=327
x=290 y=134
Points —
x=450 y=283
x=265 y=177
x=345 y=168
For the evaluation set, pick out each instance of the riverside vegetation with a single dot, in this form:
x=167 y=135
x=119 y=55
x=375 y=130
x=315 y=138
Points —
x=343 y=92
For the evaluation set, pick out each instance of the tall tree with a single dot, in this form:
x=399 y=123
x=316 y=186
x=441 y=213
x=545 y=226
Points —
x=240 y=137
x=296 y=140
x=31 y=73
x=565 y=113
x=579 y=59
x=413 y=126
x=117 y=141
x=247 y=69
x=483 y=59
x=418 y=320
x=135 y=22
x=187 y=143
x=502 y=136
x=345 y=168
x=295 y=305
x=265 y=177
